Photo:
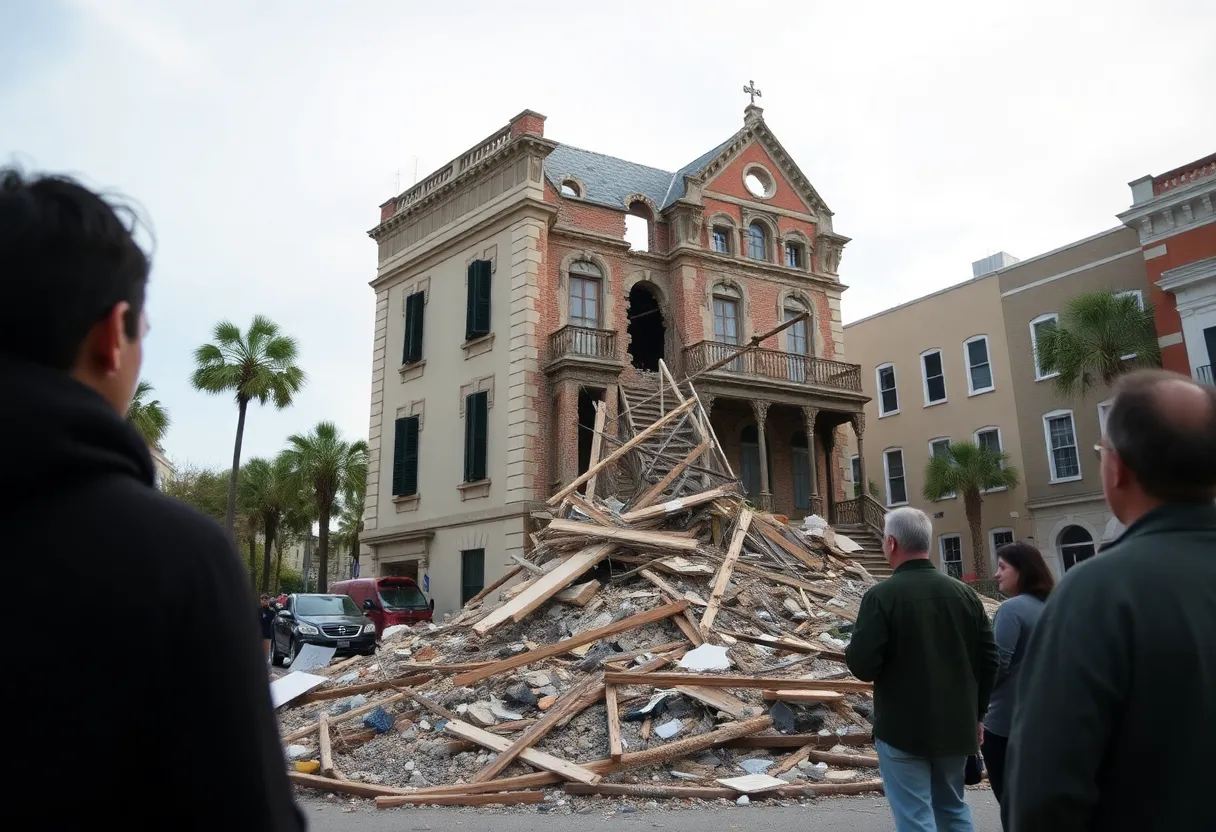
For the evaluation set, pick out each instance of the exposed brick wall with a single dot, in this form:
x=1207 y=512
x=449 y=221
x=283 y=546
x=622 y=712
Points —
x=528 y=122
x=729 y=180
x=1187 y=247
x=593 y=218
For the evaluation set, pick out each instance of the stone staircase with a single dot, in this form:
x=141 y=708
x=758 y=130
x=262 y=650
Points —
x=870 y=556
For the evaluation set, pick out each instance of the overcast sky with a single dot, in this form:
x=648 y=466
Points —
x=260 y=137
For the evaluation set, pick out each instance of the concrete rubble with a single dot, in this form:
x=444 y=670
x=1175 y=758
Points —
x=559 y=683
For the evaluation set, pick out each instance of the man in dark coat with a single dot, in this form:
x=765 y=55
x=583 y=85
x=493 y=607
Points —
x=133 y=644
x=1116 y=721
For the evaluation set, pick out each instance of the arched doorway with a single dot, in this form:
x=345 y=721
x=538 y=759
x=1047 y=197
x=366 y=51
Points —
x=646 y=330
x=1075 y=545
x=749 y=462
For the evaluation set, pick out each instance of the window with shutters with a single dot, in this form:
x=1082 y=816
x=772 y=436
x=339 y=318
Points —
x=476 y=432
x=415 y=304
x=472 y=573
x=405 y=457
x=477 y=312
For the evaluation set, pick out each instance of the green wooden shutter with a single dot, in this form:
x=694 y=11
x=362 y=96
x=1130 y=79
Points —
x=477 y=311
x=472 y=573
x=414 y=308
x=405 y=457
x=476 y=428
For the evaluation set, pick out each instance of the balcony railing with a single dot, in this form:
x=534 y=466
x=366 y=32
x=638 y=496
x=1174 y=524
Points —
x=862 y=511
x=582 y=341
x=1203 y=374
x=774 y=364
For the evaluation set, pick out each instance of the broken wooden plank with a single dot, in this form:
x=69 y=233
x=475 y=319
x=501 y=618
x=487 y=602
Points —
x=455 y=667
x=587 y=637
x=844 y=760
x=508 y=576
x=531 y=756
x=434 y=707
x=564 y=707
x=716 y=792
x=718 y=736
x=615 y=749
x=814 y=562
x=544 y=587
x=799 y=740
x=625 y=448
x=802 y=697
x=655 y=491
x=658 y=540
x=505 y=798
x=793 y=645
x=597 y=439
x=679 y=504
x=591 y=511
x=666 y=680
x=351 y=690
x=325 y=746
x=531 y=567
x=724 y=572
x=579 y=595
x=790 y=760
x=719 y=700
x=325 y=784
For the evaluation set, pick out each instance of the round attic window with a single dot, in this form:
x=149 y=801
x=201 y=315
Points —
x=759 y=182
x=570 y=188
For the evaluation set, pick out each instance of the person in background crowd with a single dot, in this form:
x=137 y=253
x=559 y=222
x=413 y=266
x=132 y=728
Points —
x=1021 y=574
x=924 y=639
x=268 y=614
x=78 y=485
x=1116 y=719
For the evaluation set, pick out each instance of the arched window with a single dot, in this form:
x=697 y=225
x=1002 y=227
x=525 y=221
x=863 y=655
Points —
x=1075 y=545
x=800 y=459
x=637 y=226
x=757 y=241
x=570 y=188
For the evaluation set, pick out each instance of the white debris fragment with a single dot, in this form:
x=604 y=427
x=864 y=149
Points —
x=706 y=657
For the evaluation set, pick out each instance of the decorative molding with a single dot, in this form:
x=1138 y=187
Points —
x=760 y=410
x=414 y=408
x=474 y=490
x=477 y=346
x=858 y=421
x=770 y=191
x=477 y=385
x=407 y=504
x=409 y=372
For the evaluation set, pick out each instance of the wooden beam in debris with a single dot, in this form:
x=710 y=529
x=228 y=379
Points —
x=531 y=756
x=351 y=690
x=719 y=700
x=587 y=637
x=777 y=537
x=615 y=749
x=667 y=680
x=715 y=792
x=802 y=697
x=844 y=760
x=799 y=740
x=325 y=746
x=325 y=784
x=496 y=585
x=658 y=540
x=641 y=437
x=544 y=587
x=700 y=742
x=597 y=438
x=656 y=490
x=793 y=645
x=499 y=798
x=724 y=572
x=679 y=504
x=591 y=511
x=579 y=595
x=351 y=714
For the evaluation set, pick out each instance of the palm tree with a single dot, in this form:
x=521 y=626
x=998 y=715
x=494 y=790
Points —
x=150 y=418
x=268 y=488
x=259 y=364
x=329 y=465
x=1099 y=336
x=969 y=470
x=350 y=519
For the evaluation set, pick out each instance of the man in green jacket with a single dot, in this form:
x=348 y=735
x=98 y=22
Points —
x=1116 y=721
x=925 y=641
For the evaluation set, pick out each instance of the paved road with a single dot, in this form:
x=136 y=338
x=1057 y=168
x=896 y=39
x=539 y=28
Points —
x=849 y=814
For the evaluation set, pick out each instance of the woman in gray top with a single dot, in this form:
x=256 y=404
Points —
x=1022 y=575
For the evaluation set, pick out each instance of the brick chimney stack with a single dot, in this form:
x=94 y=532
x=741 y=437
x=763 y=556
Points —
x=530 y=122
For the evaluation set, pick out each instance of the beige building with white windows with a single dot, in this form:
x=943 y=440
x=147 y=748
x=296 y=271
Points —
x=960 y=363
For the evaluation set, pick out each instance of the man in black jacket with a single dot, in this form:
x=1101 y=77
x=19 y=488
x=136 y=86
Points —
x=1116 y=721
x=132 y=629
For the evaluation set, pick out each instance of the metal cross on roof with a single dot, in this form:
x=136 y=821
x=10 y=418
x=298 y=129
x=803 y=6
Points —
x=751 y=90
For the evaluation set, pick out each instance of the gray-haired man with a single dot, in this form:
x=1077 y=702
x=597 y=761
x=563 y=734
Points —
x=924 y=640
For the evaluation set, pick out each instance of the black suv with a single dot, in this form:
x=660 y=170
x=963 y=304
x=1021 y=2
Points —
x=324 y=620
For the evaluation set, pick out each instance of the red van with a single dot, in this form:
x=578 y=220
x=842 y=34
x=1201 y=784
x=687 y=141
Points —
x=387 y=601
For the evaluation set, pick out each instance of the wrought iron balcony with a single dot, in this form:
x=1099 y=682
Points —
x=774 y=364
x=581 y=342
x=1203 y=374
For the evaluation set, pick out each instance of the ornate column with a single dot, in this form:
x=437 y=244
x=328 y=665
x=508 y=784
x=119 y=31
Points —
x=707 y=402
x=809 y=415
x=761 y=410
x=859 y=430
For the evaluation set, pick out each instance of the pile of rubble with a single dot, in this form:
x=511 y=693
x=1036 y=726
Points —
x=679 y=644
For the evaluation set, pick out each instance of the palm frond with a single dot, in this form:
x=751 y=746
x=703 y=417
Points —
x=149 y=417
x=1099 y=336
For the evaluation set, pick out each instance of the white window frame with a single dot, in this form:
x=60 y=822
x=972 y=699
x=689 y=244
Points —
x=952 y=495
x=924 y=378
x=1000 y=443
x=1140 y=301
x=971 y=390
x=1051 y=458
x=1104 y=414
x=878 y=387
x=941 y=552
x=992 y=540
x=1034 y=343
x=886 y=476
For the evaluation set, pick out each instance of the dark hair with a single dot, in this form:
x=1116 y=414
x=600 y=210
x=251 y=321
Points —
x=1034 y=578
x=1172 y=454
x=66 y=259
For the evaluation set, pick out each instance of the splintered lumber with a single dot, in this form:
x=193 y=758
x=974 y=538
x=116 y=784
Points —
x=667 y=680
x=679 y=504
x=718 y=736
x=511 y=573
x=544 y=587
x=351 y=690
x=714 y=792
x=615 y=751
x=625 y=448
x=660 y=540
x=844 y=760
x=325 y=784
x=570 y=703
x=326 y=748
x=802 y=697
x=508 y=798
x=579 y=595
x=455 y=667
x=724 y=571
x=591 y=511
x=597 y=438
x=793 y=645
x=799 y=740
x=775 y=536
x=657 y=489
x=717 y=699
x=587 y=637
x=660 y=661
x=434 y=707
x=633 y=654
x=828 y=789
x=531 y=756
x=791 y=760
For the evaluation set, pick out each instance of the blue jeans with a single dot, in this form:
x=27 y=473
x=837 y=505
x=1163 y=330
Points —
x=925 y=793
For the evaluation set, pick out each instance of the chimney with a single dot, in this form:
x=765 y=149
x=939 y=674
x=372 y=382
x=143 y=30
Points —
x=530 y=122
